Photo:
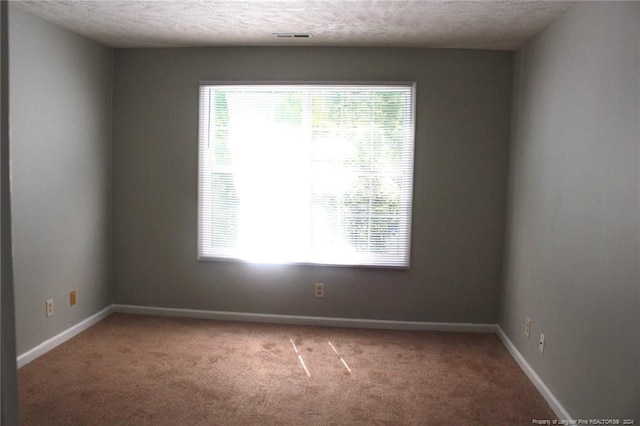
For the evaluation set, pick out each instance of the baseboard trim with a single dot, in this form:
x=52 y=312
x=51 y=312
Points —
x=59 y=339
x=307 y=320
x=546 y=393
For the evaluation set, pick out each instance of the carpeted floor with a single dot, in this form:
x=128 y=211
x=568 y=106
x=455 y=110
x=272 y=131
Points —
x=140 y=370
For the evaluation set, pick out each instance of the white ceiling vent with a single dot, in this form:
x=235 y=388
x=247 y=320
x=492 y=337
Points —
x=292 y=35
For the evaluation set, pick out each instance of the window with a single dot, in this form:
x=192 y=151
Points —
x=306 y=173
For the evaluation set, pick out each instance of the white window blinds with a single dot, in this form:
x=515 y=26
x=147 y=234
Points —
x=306 y=173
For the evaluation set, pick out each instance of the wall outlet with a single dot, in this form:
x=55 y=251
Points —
x=72 y=298
x=541 y=344
x=49 y=310
x=318 y=290
x=527 y=328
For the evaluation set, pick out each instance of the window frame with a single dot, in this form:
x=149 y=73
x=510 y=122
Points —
x=409 y=216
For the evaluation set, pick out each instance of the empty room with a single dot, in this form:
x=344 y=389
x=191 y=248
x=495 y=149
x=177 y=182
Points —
x=320 y=212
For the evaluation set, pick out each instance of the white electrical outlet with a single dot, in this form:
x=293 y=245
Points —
x=527 y=329
x=541 y=345
x=49 y=310
x=318 y=290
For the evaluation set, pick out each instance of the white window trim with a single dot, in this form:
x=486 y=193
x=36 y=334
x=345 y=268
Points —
x=409 y=202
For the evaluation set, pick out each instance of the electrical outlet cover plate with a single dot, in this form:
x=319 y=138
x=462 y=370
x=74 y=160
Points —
x=527 y=329
x=541 y=346
x=318 y=290
x=49 y=307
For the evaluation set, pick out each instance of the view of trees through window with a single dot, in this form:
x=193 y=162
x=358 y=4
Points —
x=306 y=173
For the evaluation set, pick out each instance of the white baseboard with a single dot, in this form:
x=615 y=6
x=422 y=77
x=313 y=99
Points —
x=546 y=393
x=57 y=340
x=306 y=320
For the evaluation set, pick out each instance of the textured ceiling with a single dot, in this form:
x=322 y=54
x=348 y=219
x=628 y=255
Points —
x=485 y=24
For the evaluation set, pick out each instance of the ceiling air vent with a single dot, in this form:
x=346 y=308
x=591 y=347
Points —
x=292 y=35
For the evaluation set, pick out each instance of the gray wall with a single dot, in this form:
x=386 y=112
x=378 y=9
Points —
x=8 y=373
x=60 y=140
x=463 y=107
x=572 y=258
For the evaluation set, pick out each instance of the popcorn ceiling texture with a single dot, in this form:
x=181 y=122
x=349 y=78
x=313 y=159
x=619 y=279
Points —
x=501 y=25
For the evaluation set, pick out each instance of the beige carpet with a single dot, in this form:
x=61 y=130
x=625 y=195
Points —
x=139 y=370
